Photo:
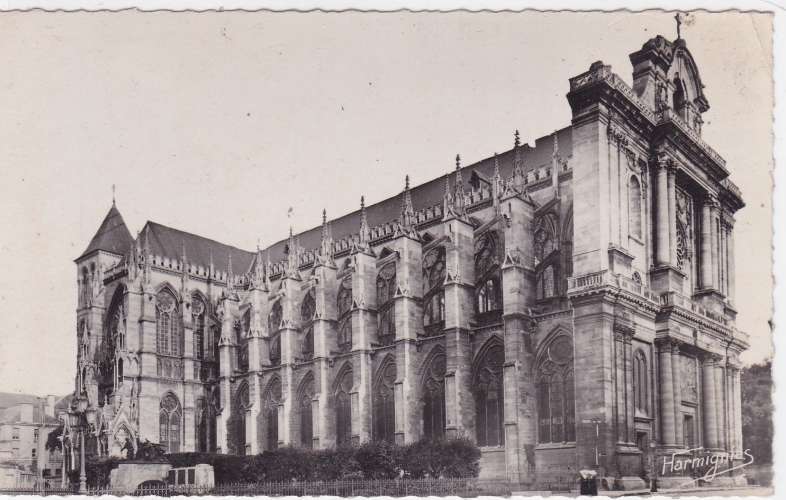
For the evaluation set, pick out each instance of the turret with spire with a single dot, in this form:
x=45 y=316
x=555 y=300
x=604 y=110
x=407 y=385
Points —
x=447 y=199
x=363 y=243
x=459 y=198
x=326 y=244
x=293 y=256
x=556 y=163
x=406 y=223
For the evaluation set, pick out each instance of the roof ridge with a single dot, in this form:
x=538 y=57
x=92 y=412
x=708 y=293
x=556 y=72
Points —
x=197 y=236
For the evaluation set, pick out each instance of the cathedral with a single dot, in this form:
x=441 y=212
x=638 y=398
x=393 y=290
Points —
x=565 y=305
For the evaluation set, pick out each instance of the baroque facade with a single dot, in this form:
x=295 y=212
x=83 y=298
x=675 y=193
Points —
x=567 y=305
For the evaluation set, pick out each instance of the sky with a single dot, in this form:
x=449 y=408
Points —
x=220 y=123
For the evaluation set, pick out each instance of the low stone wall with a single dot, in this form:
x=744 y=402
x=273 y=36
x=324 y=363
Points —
x=129 y=475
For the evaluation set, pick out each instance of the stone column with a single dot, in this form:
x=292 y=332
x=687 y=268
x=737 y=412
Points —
x=663 y=243
x=706 y=243
x=731 y=271
x=619 y=385
x=629 y=390
x=714 y=242
x=737 y=398
x=667 y=424
x=709 y=402
x=720 y=404
x=672 y=196
x=676 y=379
x=723 y=259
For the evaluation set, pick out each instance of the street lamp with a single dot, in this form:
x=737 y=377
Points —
x=78 y=419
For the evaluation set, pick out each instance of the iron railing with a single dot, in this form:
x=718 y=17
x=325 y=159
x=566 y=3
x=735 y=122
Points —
x=346 y=488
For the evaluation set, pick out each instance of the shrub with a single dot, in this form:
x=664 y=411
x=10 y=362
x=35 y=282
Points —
x=374 y=460
x=442 y=458
x=380 y=460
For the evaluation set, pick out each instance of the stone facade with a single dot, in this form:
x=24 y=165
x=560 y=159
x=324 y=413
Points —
x=565 y=305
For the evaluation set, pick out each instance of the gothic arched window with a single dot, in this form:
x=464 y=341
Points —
x=434 y=296
x=344 y=408
x=434 y=398
x=386 y=289
x=201 y=423
x=237 y=423
x=242 y=331
x=546 y=259
x=212 y=427
x=305 y=399
x=271 y=399
x=307 y=311
x=167 y=324
x=544 y=283
x=169 y=421
x=198 y=311
x=274 y=318
x=344 y=303
x=308 y=307
x=487 y=274
x=634 y=207
x=555 y=393
x=384 y=428
x=640 y=381
x=489 y=398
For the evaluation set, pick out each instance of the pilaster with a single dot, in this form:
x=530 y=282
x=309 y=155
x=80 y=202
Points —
x=459 y=306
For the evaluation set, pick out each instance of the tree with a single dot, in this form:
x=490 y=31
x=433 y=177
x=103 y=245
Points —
x=53 y=441
x=757 y=408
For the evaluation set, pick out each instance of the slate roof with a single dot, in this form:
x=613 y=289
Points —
x=168 y=242
x=13 y=413
x=432 y=192
x=9 y=399
x=112 y=236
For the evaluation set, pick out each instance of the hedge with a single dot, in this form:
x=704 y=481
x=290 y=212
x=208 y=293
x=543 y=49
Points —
x=374 y=460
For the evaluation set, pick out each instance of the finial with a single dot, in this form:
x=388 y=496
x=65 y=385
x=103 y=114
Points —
x=458 y=162
x=496 y=165
x=556 y=145
x=678 y=18
x=290 y=231
x=257 y=245
x=516 y=139
x=324 y=216
x=113 y=195
x=406 y=182
x=362 y=202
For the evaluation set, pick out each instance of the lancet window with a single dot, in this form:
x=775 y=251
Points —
x=434 y=296
x=386 y=314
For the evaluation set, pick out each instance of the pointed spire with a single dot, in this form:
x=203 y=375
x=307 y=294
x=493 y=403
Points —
x=258 y=275
x=555 y=149
x=148 y=258
x=365 y=232
x=406 y=223
x=516 y=139
x=459 y=201
x=293 y=254
x=326 y=245
x=230 y=275
x=447 y=199
x=407 y=211
x=497 y=184
x=184 y=268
